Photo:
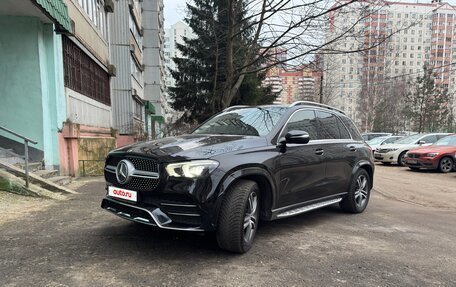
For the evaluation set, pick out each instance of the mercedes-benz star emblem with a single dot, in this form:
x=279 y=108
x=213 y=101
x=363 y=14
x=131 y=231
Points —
x=124 y=170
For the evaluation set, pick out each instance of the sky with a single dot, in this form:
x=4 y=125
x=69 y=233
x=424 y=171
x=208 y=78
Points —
x=175 y=9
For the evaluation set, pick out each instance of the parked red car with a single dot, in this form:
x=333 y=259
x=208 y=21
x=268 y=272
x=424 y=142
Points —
x=441 y=155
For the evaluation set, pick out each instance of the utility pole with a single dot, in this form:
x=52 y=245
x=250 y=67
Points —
x=321 y=87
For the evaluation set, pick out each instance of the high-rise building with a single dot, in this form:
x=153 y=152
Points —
x=86 y=136
x=417 y=34
x=154 y=65
x=126 y=44
x=174 y=35
x=291 y=84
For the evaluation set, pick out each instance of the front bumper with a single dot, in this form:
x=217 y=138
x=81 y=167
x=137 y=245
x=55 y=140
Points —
x=386 y=157
x=422 y=162
x=153 y=216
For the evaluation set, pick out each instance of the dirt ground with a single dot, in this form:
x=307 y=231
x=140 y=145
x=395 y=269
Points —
x=406 y=237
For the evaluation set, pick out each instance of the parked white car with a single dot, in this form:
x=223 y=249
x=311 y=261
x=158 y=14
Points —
x=376 y=143
x=394 y=153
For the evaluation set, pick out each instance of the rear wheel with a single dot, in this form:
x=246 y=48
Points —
x=359 y=193
x=446 y=164
x=239 y=214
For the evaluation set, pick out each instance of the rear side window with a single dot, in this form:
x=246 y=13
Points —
x=304 y=120
x=430 y=139
x=391 y=140
x=331 y=127
x=352 y=128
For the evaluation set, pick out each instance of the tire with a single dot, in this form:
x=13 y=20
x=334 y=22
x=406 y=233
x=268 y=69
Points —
x=237 y=223
x=414 y=168
x=400 y=158
x=446 y=164
x=357 y=199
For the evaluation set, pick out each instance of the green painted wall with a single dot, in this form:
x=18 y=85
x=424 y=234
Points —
x=32 y=100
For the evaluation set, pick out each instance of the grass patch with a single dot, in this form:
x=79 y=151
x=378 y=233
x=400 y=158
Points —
x=12 y=187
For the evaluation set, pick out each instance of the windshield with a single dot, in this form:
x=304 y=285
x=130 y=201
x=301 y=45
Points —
x=246 y=121
x=450 y=140
x=409 y=140
x=378 y=140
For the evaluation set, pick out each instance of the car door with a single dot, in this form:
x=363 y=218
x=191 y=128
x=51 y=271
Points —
x=302 y=166
x=340 y=152
x=430 y=139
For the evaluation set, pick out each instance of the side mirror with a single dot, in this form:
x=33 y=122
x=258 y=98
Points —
x=297 y=137
x=421 y=142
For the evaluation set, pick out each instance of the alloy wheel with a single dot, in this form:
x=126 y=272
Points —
x=446 y=165
x=250 y=218
x=361 y=190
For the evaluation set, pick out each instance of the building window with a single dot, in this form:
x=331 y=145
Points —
x=96 y=13
x=138 y=110
x=135 y=70
x=135 y=32
x=84 y=75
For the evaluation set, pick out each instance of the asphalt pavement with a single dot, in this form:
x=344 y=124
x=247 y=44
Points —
x=76 y=243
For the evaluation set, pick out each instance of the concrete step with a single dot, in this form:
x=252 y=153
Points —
x=13 y=160
x=60 y=180
x=45 y=173
x=35 y=179
x=33 y=166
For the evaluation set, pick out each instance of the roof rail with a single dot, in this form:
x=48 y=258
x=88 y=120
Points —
x=316 y=104
x=235 y=107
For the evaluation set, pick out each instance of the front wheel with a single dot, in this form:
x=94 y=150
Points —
x=401 y=159
x=359 y=193
x=446 y=164
x=238 y=219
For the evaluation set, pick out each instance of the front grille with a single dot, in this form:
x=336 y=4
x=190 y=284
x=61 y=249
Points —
x=135 y=183
x=413 y=155
x=382 y=150
x=144 y=164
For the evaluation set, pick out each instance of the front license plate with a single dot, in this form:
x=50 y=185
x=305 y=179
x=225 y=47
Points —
x=412 y=161
x=121 y=193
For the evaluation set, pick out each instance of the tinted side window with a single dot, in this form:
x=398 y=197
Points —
x=304 y=121
x=391 y=140
x=329 y=129
x=352 y=128
x=344 y=134
x=429 y=139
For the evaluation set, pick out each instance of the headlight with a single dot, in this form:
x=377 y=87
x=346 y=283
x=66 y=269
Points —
x=391 y=149
x=191 y=169
x=432 y=154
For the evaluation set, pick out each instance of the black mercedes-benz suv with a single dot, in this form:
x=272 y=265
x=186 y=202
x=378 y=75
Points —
x=242 y=165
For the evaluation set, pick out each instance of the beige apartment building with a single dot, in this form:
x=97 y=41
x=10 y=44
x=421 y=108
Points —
x=421 y=34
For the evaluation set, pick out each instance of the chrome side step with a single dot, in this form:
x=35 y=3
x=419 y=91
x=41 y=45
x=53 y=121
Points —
x=308 y=207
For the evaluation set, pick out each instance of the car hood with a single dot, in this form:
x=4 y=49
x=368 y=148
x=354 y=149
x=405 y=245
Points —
x=187 y=147
x=434 y=148
x=397 y=146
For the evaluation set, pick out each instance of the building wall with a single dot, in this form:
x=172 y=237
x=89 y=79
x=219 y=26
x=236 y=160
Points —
x=87 y=33
x=154 y=73
x=127 y=55
x=86 y=111
x=31 y=89
x=428 y=41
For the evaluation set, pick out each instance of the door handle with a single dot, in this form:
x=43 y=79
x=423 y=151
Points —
x=319 y=151
x=352 y=148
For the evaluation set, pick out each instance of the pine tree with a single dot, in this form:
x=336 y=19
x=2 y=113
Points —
x=201 y=73
x=428 y=104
